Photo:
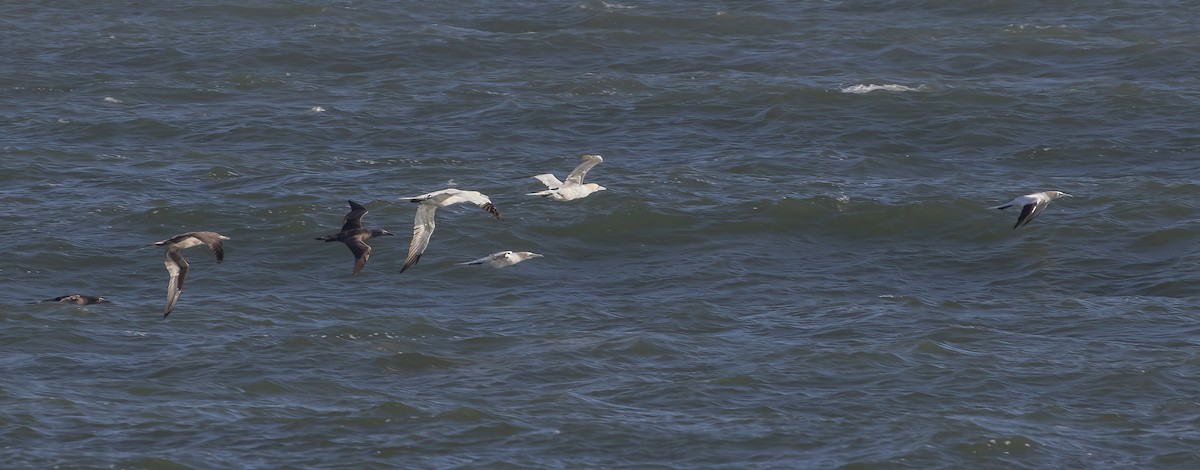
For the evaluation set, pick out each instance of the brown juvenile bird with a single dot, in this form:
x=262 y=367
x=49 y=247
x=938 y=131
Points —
x=177 y=266
x=355 y=236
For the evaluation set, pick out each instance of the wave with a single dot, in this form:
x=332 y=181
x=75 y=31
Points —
x=861 y=89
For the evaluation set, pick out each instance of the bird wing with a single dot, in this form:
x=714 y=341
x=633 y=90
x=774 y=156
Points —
x=473 y=197
x=217 y=249
x=361 y=250
x=423 y=226
x=177 y=267
x=478 y=261
x=436 y=195
x=549 y=180
x=589 y=161
x=1029 y=212
x=353 y=219
x=173 y=240
x=213 y=240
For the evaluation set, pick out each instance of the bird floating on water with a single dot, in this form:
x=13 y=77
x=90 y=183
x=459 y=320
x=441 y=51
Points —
x=177 y=266
x=1031 y=205
x=501 y=259
x=355 y=236
x=79 y=299
x=423 y=223
x=574 y=187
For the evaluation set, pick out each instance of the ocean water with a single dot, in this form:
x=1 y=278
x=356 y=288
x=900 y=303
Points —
x=794 y=265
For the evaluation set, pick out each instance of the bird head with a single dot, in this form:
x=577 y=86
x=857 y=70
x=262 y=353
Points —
x=593 y=187
x=380 y=233
x=1058 y=194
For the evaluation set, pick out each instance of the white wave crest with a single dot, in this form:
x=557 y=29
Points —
x=867 y=88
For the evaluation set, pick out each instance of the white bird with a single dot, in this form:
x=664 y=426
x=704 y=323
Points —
x=501 y=259
x=177 y=266
x=423 y=222
x=1031 y=205
x=573 y=188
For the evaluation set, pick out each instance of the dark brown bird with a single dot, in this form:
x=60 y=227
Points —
x=355 y=236
x=79 y=299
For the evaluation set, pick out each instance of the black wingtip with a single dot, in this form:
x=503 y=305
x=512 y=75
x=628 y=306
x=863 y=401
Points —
x=491 y=209
x=413 y=263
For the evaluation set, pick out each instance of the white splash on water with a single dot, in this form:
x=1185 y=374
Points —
x=109 y=99
x=867 y=88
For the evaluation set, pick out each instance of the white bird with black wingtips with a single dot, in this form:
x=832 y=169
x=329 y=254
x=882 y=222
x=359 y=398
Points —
x=423 y=223
x=1032 y=205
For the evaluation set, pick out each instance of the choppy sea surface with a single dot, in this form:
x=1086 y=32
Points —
x=794 y=264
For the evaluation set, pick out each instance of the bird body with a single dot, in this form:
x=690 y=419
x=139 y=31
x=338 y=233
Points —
x=79 y=299
x=1032 y=205
x=574 y=187
x=501 y=259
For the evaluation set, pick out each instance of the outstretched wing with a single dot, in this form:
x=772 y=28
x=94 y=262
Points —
x=473 y=197
x=423 y=226
x=361 y=250
x=1030 y=212
x=589 y=161
x=177 y=268
x=353 y=219
x=549 y=180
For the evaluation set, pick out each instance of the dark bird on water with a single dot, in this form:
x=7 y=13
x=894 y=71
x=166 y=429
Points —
x=79 y=299
x=355 y=236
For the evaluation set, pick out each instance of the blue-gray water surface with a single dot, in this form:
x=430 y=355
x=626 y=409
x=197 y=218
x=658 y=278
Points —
x=794 y=264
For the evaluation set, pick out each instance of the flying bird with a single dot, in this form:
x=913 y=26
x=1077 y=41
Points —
x=501 y=259
x=79 y=299
x=574 y=187
x=1031 y=205
x=423 y=223
x=177 y=266
x=355 y=236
